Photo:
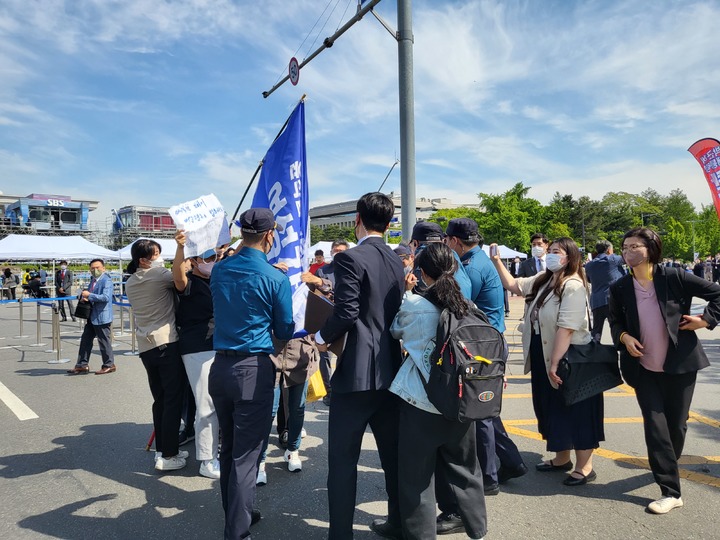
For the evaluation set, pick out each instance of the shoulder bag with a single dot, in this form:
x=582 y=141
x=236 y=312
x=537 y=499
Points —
x=588 y=370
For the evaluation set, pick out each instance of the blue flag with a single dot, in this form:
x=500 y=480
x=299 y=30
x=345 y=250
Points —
x=283 y=188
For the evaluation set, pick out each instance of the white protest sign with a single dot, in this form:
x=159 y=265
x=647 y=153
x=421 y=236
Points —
x=204 y=223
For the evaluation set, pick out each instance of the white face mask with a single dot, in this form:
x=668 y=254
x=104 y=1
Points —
x=538 y=251
x=157 y=263
x=408 y=270
x=554 y=262
x=205 y=268
x=63 y=267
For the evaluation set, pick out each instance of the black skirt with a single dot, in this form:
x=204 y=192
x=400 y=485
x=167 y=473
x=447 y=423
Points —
x=564 y=427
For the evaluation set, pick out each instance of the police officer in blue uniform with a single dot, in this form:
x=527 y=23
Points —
x=252 y=302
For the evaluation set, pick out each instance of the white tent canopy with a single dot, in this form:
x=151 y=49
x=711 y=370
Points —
x=506 y=252
x=167 y=245
x=25 y=247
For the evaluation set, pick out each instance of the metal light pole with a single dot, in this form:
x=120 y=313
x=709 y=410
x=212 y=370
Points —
x=407 y=116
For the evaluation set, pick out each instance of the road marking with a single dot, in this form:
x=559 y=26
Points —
x=513 y=426
x=704 y=420
x=22 y=411
x=526 y=396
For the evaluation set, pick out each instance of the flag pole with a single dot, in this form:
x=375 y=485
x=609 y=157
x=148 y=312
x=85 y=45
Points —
x=252 y=180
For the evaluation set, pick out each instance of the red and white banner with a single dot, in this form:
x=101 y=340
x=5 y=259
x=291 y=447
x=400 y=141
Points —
x=707 y=153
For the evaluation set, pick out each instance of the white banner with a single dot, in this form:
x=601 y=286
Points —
x=204 y=222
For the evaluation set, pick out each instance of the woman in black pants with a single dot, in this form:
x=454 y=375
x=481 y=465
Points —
x=660 y=353
x=426 y=438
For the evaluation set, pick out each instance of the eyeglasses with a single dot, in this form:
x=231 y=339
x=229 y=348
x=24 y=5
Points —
x=633 y=247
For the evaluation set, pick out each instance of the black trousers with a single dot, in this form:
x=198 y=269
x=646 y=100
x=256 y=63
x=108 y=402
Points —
x=430 y=443
x=326 y=370
x=493 y=444
x=664 y=400
x=350 y=414
x=600 y=315
x=61 y=306
x=241 y=388
x=167 y=379
x=102 y=333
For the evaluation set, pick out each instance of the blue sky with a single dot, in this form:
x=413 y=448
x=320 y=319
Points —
x=156 y=102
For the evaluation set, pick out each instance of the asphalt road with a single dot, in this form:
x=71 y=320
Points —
x=79 y=470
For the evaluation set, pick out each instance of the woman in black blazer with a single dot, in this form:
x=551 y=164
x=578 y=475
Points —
x=659 y=351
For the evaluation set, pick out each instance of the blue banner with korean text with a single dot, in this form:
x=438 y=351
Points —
x=283 y=188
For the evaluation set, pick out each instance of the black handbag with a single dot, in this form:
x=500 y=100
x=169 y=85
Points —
x=82 y=310
x=588 y=370
x=630 y=369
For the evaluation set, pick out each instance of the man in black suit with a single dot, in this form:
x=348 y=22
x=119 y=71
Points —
x=369 y=285
x=532 y=265
x=63 y=288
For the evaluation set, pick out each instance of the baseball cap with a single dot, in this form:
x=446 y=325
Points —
x=464 y=228
x=427 y=231
x=208 y=254
x=403 y=250
x=257 y=220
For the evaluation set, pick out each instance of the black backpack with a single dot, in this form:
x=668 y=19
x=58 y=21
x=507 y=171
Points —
x=467 y=367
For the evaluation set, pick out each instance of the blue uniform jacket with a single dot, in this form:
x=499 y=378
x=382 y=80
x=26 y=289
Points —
x=252 y=301
x=487 y=289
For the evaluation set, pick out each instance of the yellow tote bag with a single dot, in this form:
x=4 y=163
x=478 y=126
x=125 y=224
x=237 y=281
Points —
x=316 y=388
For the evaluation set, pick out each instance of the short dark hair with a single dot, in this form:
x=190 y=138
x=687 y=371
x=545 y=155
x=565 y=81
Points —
x=253 y=239
x=376 y=210
x=97 y=260
x=319 y=252
x=603 y=246
x=539 y=236
x=341 y=242
x=63 y=261
x=652 y=242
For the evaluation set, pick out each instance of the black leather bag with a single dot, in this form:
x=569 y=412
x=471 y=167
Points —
x=82 y=310
x=588 y=370
x=630 y=369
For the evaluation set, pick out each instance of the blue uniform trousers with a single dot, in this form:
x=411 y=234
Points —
x=241 y=388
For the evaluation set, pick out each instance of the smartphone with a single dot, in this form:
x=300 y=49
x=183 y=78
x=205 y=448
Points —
x=493 y=251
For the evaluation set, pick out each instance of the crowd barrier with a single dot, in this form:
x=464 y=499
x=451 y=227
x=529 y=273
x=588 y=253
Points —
x=53 y=303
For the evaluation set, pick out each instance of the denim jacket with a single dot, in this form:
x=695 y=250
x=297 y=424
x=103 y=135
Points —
x=101 y=300
x=416 y=325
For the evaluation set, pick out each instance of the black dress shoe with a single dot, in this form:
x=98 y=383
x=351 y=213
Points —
x=491 y=489
x=550 y=466
x=584 y=479
x=384 y=528
x=255 y=516
x=64 y=319
x=505 y=473
x=449 y=524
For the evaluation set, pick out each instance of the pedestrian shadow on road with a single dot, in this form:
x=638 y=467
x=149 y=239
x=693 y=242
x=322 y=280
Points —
x=101 y=477
x=550 y=483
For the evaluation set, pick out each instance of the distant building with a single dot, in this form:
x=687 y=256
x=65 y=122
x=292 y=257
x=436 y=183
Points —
x=44 y=214
x=342 y=214
x=132 y=222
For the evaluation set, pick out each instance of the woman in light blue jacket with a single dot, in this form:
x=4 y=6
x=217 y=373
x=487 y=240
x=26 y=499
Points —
x=427 y=439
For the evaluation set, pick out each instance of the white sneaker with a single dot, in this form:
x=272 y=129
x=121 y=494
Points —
x=293 y=461
x=210 y=469
x=262 y=475
x=303 y=433
x=170 y=464
x=664 y=505
x=184 y=454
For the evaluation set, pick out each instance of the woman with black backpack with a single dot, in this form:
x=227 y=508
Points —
x=427 y=440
